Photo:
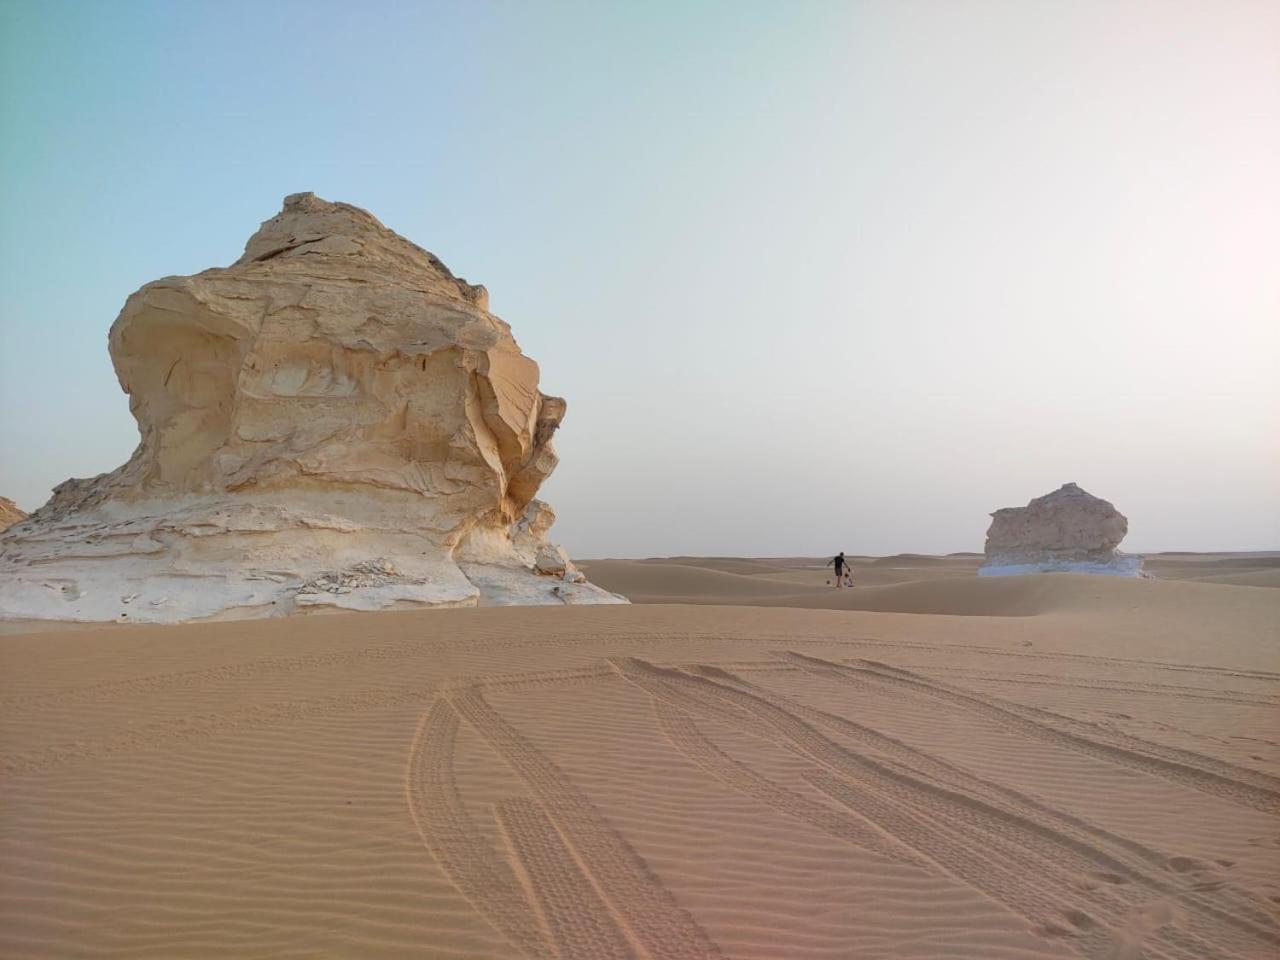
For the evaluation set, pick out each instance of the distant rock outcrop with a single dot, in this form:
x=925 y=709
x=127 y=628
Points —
x=10 y=513
x=333 y=421
x=1068 y=530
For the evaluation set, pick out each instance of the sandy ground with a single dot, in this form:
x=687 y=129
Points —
x=806 y=582
x=930 y=765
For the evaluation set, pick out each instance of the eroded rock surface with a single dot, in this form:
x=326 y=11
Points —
x=335 y=420
x=1068 y=529
x=10 y=513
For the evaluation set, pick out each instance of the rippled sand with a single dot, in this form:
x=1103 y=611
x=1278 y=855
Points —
x=938 y=766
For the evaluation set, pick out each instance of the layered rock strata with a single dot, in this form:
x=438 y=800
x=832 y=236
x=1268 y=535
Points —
x=1067 y=530
x=335 y=421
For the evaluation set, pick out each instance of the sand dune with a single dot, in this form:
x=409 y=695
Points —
x=1052 y=766
x=929 y=585
x=1257 y=570
x=679 y=578
x=1248 y=578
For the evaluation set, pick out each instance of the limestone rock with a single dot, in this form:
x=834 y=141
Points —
x=552 y=560
x=10 y=513
x=335 y=420
x=1068 y=529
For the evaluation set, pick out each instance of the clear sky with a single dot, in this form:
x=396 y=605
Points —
x=810 y=275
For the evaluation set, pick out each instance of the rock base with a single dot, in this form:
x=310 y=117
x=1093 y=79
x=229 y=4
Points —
x=225 y=559
x=1117 y=566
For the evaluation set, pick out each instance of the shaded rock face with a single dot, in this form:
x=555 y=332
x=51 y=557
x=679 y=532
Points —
x=335 y=420
x=10 y=513
x=1068 y=529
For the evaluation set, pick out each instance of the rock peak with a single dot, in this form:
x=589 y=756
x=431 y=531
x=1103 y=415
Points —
x=310 y=231
x=302 y=200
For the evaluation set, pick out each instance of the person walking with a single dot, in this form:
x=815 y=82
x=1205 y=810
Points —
x=838 y=561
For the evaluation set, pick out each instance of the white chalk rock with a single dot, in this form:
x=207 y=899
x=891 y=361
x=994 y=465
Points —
x=335 y=421
x=1067 y=530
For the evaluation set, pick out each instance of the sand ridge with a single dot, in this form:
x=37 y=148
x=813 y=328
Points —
x=1096 y=774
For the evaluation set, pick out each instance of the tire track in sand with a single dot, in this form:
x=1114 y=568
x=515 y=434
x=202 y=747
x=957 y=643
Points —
x=680 y=730
x=1117 y=686
x=974 y=867
x=940 y=845
x=654 y=921
x=580 y=924
x=467 y=859
x=1222 y=916
x=980 y=845
x=1239 y=785
x=1032 y=834
x=1027 y=655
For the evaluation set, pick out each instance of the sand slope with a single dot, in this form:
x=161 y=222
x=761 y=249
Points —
x=1071 y=768
x=937 y=585
x=683 y=577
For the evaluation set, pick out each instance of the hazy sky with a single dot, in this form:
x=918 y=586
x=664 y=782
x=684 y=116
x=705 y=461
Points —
x=811 y=275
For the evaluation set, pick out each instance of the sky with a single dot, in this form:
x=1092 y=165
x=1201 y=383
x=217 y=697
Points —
x=811 y=276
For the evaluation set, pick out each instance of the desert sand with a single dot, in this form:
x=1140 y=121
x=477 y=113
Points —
x=745 y=764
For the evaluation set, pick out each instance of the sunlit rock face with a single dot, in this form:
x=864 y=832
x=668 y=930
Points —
x=10 y=513
x=1067 y=530
x=333 y=421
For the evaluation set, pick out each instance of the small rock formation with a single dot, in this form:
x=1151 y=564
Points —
x=1068 y=529
x=10 y=513
x=333 y=421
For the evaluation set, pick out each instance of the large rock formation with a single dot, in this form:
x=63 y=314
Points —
x=10 y=513
x=1068 y=529
x=333 y=421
